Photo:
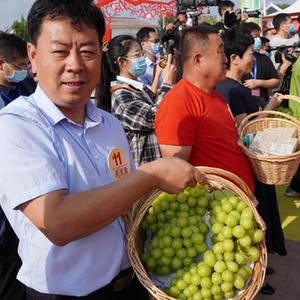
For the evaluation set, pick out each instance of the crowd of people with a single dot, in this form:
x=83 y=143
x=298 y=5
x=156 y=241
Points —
x=72 y=167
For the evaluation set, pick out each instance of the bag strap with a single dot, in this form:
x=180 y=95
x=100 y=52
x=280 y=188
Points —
x=125 y=86
x=129 y=87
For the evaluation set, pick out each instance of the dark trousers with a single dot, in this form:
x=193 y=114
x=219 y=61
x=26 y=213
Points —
x=10 y=263
x=134 y=291
x=295 y=183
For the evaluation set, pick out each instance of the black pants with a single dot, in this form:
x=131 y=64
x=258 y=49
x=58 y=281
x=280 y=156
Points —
x=134 y=291
x=295 y=183
x=10 y=263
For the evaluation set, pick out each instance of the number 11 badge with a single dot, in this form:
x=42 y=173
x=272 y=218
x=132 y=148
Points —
x=118 y=163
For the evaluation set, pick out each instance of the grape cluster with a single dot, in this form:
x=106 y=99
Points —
x=224 y=269
x=179 y=238
x=179 y=230
x=288 y=111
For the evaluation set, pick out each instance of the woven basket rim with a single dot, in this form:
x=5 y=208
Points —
x=214 y=180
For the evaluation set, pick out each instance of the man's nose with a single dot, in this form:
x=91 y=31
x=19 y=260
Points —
x=74 y=62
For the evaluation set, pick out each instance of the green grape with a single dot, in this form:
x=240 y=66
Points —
x=203 y=228
x=227 y=276
x=206 y=282
x=197 y=238
x=204 y=270
x=166 y=261
x=192 y=201
x=239 y=282
x=209 y=258
x=177 y=243
x=176 y=263
x=187 y=277
x=167 y=241
x=238 y=231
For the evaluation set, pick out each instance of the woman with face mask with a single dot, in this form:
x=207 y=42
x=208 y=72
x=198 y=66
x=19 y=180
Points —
x=131 y=101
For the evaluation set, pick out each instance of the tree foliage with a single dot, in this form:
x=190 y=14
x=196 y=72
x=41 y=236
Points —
x=283 y=5
x=19 y=27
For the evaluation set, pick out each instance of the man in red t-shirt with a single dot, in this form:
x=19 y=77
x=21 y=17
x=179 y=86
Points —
x=194 y=122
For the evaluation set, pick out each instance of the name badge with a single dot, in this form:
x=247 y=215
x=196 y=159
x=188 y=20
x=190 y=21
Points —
x=118 y=163
x=255 y=92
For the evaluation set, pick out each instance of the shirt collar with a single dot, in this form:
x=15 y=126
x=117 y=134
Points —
x=55 y=115
x=149 y=62
x=136 y=84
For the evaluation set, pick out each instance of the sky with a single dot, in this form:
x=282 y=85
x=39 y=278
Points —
x=11 y=10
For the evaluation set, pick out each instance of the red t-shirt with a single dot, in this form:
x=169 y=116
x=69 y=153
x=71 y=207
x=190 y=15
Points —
x=188 y=116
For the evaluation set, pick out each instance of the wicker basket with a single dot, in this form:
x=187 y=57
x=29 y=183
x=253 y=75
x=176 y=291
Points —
x=271 y=169
x=216 y=181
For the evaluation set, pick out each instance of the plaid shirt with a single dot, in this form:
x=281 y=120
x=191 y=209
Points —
x=136 y=110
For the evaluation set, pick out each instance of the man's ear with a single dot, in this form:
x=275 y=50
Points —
x=31 y=52
x=197 y=58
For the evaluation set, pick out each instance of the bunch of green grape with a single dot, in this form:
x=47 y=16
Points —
x=288 y=111
x=179 y=232
x=224 y=268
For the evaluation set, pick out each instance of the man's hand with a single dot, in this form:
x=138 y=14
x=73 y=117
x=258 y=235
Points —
x=170 y=70
x=174 y=174
x=274 y=101
x=252 y=83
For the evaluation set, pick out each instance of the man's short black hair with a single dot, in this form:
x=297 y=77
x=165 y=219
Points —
x=251 y=26
x=11 y=47
x=279 y=19
x=236 y=41
x=143 y=34
x=224 y=4
x=194 y=36
x=78 y=11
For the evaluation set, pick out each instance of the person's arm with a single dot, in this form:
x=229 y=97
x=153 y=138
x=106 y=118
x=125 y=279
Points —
x=183 y=152
x=274 y=102
x=64 y=218
x=262 y=83
x=239 y=118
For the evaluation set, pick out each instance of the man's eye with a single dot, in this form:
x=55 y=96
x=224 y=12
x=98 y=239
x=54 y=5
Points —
x=60 y=52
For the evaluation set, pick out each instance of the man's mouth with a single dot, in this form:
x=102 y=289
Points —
x=73 y=86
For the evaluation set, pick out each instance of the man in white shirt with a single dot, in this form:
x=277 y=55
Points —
x=67 y=174
x=149 y=40
x=284 y=33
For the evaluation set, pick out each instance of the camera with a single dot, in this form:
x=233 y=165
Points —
x=285 y=50
x=252 y=13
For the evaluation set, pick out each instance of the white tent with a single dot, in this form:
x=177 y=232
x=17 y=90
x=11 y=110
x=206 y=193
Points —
x=292 y=9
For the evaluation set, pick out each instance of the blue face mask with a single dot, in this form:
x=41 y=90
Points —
x=139 y=66
x=17 y=76
x=154 y=48
x=291 y=28
x=257 y=44
x=268 y=54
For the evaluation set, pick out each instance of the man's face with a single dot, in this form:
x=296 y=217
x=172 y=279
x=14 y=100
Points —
x=214 y=59
x=153 y=39
x=255 y=33
x=182 y=18
x=285 y=25
x=67 y=62
x=18 y=64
